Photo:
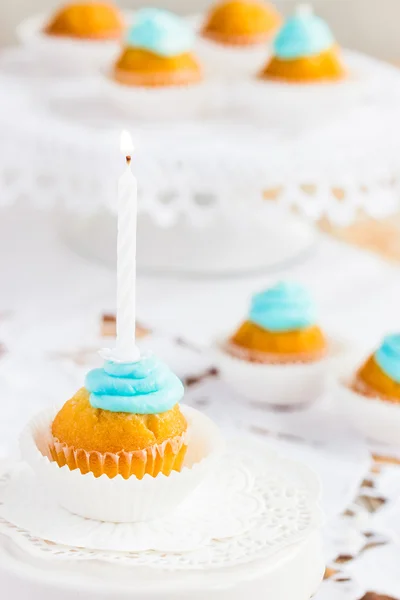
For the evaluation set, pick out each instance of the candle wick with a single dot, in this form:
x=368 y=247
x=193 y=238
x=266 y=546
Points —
x=128 y=160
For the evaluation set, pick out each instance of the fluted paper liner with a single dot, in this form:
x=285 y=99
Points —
x=273 y=359
x=63 y=52
x=159 y=458
x=116 y=499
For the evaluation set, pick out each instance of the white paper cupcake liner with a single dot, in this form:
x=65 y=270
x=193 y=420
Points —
x=166 y=102
x=299 y=105
x=375 y=418
x=121 y=500
x=67 y=55
x=287 y=384
x=157 y=458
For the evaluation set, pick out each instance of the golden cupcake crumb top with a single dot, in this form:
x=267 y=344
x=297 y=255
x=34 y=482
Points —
x=89 y=20
x=81 y=426
x=326 y=66
x=143 y=61
x=373 y=381
x=253 y=337
x=241 y=22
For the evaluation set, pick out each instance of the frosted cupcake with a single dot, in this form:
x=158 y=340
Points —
x=279 y=354
x=371 y=397
x=281 y=328
x=304 y=51
x=122 y=443
x=379 y=376
x=88 y=21
x=235 y=34
x=125 y=421
x=158 y=52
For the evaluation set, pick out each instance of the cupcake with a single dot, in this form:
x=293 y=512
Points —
x=370 y=398
x=80 y=39
x=279 y=354
x=233 y=39
x=87 y=21
x=158 y=52
x=126 y=420
x=379 y=376
x=121 y=443
x=281 y=328
x=304 y=51
x=241 y=23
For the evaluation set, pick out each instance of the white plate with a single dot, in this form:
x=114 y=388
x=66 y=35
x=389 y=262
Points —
x=276 y=550
x=294 y=573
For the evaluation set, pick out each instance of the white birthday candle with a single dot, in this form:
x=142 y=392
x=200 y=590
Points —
x=126 y=349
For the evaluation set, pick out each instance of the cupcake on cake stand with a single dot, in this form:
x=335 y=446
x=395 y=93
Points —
x=157 y=74
x=234 y=36
x=77 y=39
x=125 y=493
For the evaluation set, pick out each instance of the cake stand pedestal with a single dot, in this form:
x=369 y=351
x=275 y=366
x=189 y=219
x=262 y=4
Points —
x=219 y=249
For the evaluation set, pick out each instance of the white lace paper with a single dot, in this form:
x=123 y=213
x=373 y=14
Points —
x=256 y=505
x=196 y=169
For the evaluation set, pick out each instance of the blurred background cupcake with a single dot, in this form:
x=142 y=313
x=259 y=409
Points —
x=279 y=355
x=304 y=51
x=157 y=74
x=370 y=398
x=87 y=20
x=281 y=328
x=379 y=376
x=78 y=38
x=158 y=52
x=235 y=35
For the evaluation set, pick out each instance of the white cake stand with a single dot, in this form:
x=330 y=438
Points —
x=216 y=192
x=254 y=526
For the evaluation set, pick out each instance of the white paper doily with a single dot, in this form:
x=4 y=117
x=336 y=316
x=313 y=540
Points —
x=258 y=505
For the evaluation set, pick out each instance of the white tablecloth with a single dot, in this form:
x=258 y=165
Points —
x=50 y=306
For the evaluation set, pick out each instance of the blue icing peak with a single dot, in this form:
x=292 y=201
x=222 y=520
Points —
x=388 y=356
x=145 y=387
x=303 y=35
x=161 y=32
x=284 y=307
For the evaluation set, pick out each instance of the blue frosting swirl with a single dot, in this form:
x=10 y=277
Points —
x=388 y=356
x=161 y=32
x=303 y=35
x=145 y=387
x=284 y=307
